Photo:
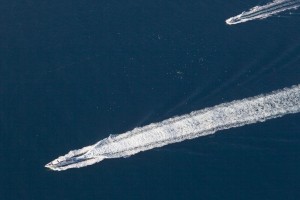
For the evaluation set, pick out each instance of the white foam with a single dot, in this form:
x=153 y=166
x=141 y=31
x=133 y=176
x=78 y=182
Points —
x=262 y=12
x=189 y=126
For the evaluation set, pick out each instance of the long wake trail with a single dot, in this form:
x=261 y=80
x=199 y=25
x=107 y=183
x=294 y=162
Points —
x=262 y=12
x=196 y=124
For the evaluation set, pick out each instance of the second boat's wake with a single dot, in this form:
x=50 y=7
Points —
x=261 y=12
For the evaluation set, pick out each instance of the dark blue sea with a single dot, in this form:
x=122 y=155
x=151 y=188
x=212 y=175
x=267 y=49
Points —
x=73 y=72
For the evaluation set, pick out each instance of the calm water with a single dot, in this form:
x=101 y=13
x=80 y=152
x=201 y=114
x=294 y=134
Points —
x=73 y=72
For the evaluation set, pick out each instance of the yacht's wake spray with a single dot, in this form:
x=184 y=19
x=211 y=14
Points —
x=261 y=12
x=189 y=126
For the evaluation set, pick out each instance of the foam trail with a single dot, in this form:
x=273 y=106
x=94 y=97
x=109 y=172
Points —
x=189 y=126
x=261 y=12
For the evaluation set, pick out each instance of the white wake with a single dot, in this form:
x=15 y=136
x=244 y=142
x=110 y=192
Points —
x=189 y=126
x=261 y=12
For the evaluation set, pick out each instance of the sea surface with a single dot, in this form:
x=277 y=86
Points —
x=73 y=72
